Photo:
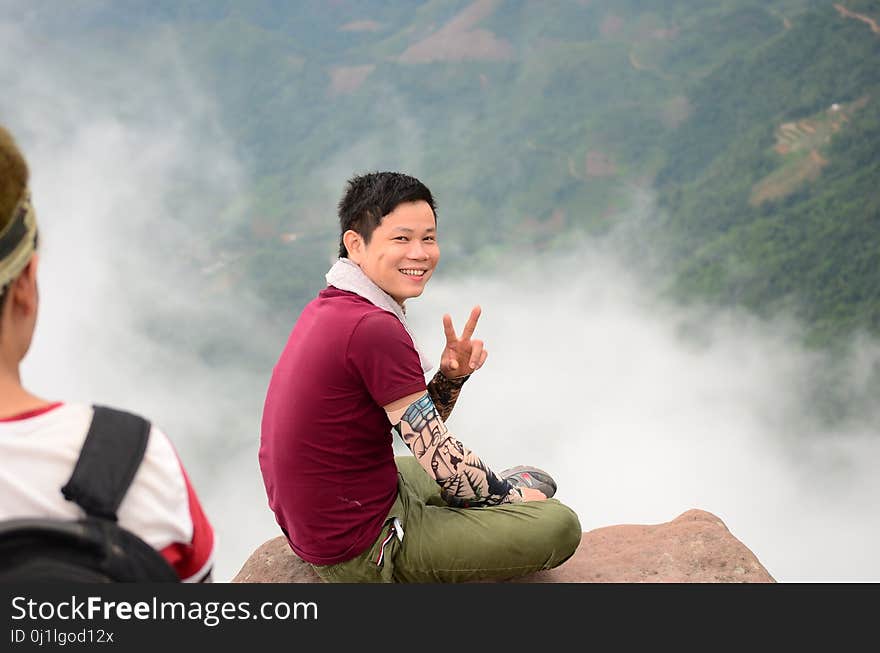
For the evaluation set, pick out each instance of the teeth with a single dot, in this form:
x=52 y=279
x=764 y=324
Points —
x=414 y=273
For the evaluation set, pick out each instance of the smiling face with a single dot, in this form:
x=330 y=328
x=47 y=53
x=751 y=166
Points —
x=402 y=252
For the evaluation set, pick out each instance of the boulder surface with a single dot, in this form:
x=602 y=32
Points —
x=695 y=547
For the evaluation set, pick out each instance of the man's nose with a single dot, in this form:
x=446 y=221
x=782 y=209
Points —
x=417 y=250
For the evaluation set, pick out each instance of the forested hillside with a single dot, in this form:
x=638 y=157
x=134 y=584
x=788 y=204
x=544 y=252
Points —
x=771 y=187
x=755 y=124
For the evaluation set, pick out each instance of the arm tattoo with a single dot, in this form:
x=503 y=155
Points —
x=444 y=392
x=463 y=478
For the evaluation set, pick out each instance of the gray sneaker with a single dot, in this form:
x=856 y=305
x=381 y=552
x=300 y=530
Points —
x=526 y=476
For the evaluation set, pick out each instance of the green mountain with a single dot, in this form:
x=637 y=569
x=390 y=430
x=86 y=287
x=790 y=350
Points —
x=755 y=124
x=771 y=186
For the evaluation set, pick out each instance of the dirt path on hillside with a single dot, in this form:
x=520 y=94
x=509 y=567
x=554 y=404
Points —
x=846 y=13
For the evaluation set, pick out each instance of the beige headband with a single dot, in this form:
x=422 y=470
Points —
x=17 y=240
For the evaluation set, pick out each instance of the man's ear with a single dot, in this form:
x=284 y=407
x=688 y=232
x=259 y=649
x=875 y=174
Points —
x=24 y=288
x=354 y=243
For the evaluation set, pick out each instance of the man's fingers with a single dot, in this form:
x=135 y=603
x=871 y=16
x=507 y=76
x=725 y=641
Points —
x=471 y=323
x=531 y=494
x=448 y=330
x=476 y=354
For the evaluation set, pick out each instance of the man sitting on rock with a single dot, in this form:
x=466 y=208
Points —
x=351 y=370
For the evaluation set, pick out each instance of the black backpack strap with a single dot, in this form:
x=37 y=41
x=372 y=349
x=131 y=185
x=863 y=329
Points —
x=111 y=454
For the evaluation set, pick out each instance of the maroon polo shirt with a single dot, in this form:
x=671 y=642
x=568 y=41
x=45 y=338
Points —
x=326 y=446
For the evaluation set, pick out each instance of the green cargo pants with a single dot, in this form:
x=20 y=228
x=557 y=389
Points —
x=442 y=544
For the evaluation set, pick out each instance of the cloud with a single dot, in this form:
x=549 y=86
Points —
x=131 y=173
x=592 y=378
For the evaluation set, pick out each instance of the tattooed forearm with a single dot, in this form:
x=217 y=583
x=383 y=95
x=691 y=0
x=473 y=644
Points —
x=444 y=392
x=463 y=478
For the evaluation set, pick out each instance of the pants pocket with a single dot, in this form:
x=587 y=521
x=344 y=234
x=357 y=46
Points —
x=388 y=545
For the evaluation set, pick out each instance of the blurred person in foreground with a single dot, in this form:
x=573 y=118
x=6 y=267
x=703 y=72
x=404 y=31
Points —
x=40 y=440
x=351 y=376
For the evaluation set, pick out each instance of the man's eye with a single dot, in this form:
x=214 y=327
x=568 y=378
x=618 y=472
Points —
x=400 y=238
x=430 y=238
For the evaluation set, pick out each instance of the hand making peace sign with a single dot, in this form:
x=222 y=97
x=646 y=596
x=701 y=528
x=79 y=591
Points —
x=461 y=356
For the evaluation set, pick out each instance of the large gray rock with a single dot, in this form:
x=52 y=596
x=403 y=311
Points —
x=695 y=547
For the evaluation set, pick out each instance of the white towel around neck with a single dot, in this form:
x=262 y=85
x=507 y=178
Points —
x=345 y=274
